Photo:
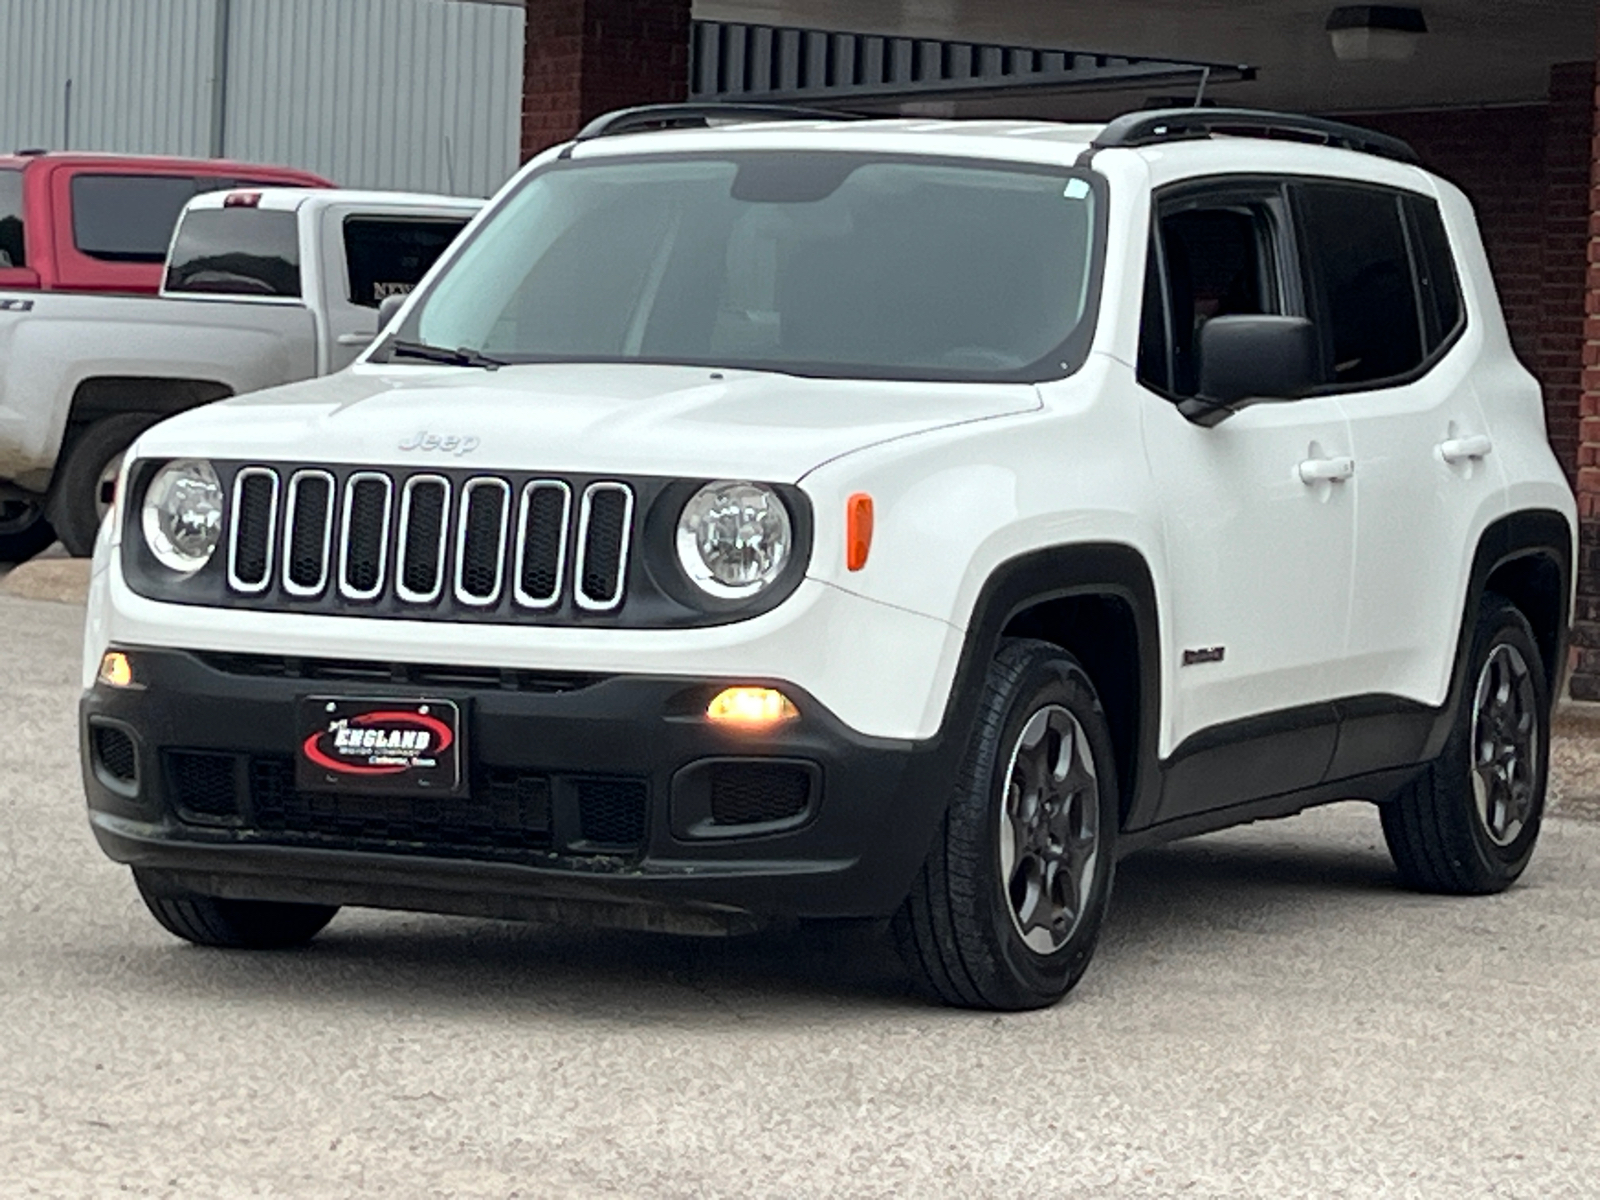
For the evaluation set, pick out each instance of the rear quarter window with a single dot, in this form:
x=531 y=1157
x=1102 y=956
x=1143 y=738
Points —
x=236 y=251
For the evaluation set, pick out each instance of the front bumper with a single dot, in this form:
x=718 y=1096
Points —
x=589 y=797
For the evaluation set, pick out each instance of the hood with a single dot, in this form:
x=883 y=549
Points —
x=633 y=419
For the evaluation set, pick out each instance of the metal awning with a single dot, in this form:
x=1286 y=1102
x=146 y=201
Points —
x=739 y=62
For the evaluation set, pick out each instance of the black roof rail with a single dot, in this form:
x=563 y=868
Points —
x=700 y=116
x=1185 y=124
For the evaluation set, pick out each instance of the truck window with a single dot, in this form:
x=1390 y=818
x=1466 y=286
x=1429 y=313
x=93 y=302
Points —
x=127 y=218
x=12 y=251
x=236 y=251
x=386 y=256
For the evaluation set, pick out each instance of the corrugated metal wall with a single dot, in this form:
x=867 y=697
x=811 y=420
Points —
x=422 y=94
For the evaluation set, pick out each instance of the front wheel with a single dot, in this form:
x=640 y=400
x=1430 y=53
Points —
x=1007 y=909
x=230 y=924
x=1467 y=825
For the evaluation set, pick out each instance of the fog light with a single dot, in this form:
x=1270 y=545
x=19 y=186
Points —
x=751 y=706
x=115 y=670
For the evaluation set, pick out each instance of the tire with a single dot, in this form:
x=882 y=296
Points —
x=76 y=503
x=230 y=924
x=1467 y=825
x=978 y=930
x=24 y=531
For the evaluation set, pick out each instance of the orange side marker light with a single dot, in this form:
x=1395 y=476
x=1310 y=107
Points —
x=858 y=530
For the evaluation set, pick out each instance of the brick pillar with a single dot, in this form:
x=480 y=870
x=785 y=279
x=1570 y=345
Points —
x=1558 y=354
x=585 y=57
x=1585 y=684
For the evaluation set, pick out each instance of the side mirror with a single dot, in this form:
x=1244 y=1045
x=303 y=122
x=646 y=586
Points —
x=387 y=309
x=1246 y=360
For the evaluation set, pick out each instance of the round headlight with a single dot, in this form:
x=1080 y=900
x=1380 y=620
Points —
x=734 y=538
x=182 y=515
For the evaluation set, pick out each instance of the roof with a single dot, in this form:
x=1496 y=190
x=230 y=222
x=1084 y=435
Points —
x=288 y=199
x=163 y=162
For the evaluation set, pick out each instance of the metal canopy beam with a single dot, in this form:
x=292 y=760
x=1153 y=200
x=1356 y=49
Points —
x=731 y=61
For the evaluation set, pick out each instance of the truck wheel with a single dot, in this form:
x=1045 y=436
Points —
x=1007 y=909
x=230 y=924
x=1467 y=825
x=23 y=530
x=81 y=492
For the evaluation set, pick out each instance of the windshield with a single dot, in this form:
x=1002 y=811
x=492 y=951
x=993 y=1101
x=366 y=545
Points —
x=823 y=264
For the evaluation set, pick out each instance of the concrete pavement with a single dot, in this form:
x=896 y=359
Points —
x=1267 y=1016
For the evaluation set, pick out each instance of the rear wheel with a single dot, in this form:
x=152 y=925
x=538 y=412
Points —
x=1468 y=824
x=1008 y=907
x=24 y=531
x=230 y=924
x=86 y=481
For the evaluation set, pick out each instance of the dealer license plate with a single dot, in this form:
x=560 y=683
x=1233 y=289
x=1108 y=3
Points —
x=379 y=745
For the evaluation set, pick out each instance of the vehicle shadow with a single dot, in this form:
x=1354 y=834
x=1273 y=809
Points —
x=1177 y=895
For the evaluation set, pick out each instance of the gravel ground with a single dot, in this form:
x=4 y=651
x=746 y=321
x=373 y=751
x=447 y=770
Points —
x=1268 y=1015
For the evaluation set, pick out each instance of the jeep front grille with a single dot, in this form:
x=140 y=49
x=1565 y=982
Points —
x=423 y=543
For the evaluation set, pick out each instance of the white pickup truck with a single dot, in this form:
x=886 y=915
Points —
x=262 y=287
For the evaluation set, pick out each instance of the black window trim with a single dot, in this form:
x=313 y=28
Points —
x=1205 y=187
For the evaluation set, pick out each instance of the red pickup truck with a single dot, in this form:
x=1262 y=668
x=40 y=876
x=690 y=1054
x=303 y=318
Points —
x=101 y=222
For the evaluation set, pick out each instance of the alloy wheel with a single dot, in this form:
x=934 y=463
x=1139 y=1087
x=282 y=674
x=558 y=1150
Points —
x=1505 y=749
x=1049 y=834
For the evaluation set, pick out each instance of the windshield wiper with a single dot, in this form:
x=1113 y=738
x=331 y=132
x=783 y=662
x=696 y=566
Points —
x=463 y=356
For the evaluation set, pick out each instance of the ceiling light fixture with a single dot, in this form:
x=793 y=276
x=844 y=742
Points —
x=1375 y=32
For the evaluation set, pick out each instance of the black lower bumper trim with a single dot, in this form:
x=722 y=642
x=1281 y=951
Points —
x=616 y=796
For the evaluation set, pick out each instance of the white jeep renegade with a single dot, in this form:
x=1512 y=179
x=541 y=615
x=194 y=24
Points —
x=766 y=516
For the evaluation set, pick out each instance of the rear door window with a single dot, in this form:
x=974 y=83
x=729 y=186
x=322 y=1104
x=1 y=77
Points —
x=387 y=256
x=1436 y=274
x=13 y=251
x=236 y=251
x=1366 y=295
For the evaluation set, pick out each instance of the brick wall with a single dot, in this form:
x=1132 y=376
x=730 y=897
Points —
x=586 y=57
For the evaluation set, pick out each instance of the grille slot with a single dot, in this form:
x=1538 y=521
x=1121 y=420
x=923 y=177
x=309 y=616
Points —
x=481 y=541
x=204 y=785
x=744 y=793
x=542 y=542
x=424 y=534
x=114 y=751
x=255 y=527
x=611 y=811
x=603 y=535
x=364 y=535
x=308 y=533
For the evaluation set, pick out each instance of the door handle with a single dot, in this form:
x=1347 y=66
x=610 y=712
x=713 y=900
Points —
x=1327 y=470
x=1462 y=449
x=355 y=339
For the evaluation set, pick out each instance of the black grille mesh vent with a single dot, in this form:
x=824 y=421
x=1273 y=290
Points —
x=602 y=544
x=369 y=502
x=751 y=793
x=544 y=528
x=424 y=565
x=308 y=540
x=114 y=750
x=482 y=551
x=252 y=554
x=611 y=811
x=203 y=784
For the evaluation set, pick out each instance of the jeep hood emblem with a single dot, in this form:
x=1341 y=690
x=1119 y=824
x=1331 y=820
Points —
x=452 y=443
